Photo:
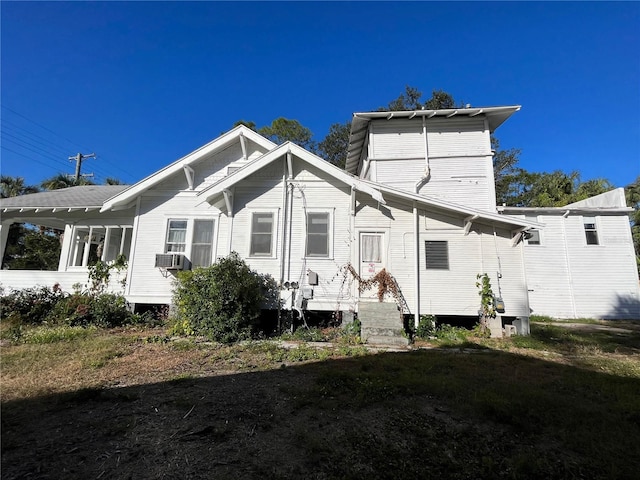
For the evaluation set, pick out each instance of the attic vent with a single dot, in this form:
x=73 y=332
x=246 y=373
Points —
x=437 y=255
x=230 y=170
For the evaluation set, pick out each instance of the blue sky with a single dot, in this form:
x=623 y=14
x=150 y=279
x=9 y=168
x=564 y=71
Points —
x=143 y=83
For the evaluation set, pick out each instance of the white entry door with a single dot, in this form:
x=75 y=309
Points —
x=372 y=259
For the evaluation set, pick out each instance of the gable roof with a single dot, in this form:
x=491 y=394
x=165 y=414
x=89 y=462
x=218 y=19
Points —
x=373 y=189
x=301 y=153
x=360 y=124
x=219 y=143
x=84 y=196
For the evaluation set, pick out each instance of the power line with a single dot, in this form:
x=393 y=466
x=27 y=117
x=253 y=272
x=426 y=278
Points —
x=102 y=157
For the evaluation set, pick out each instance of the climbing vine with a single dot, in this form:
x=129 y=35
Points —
x=487 y=302
x=100 y=273
x=384 y=280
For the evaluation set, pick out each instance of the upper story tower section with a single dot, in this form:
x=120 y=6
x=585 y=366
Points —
x=444 y=154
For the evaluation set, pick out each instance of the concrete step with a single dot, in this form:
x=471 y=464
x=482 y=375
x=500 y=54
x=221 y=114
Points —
x=387 y=340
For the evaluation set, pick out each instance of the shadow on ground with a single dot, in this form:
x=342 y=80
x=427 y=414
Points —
x=421 y=414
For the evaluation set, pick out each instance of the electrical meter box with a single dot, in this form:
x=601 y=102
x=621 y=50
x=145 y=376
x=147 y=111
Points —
x=499 y=304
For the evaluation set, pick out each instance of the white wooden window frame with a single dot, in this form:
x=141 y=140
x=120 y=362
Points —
x=330 y=232
x=589 y=220
x=274 y=231
x=189 y=235
x=94 y=230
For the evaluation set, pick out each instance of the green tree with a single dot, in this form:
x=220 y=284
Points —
x=333 y=148
x=113 y=181
x=14 y=186
x=411 y=98
x=632 y=193
x=32 y=249
x=64 y=181
x=284 y=130
x=247 y=123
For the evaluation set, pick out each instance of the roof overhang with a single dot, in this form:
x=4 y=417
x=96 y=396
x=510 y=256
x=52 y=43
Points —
x=495 y=116
x=183 y=164
x=479 y=216
x=565 y=210
x=213 y=193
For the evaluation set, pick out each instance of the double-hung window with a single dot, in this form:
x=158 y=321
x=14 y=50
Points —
x=176 y=236
x=591 y=231
x=318 y=234
x=202 y=243
x=261 y=234
x=192 y=237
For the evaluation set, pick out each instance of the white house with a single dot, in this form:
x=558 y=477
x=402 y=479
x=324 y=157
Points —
x=417 y=199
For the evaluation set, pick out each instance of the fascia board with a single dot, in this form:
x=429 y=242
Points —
x=221 y=142
x=459 y=209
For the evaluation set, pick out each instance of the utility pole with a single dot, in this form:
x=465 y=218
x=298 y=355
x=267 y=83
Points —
x=79 y=158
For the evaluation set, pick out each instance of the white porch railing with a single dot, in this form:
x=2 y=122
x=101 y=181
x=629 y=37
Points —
x=19 y=279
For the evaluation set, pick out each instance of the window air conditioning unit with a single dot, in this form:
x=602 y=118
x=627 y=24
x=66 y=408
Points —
x=170 y=261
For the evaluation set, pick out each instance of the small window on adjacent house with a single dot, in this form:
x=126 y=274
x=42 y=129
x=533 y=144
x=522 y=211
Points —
x=176 y=236
x=590 y=230
x=318 y=234
x=202 y=245
x=532 y=237
x=261 y=234
x=437 y=255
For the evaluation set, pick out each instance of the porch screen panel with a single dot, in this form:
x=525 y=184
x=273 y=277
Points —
x=371 y=248
x=202 y=243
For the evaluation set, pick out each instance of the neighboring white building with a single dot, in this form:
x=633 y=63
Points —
x=417 y=199
x=582 y=263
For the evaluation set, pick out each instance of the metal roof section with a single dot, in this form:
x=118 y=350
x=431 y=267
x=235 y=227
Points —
x=87 y=197
x=128 y=196
x=612 y=202
x=468 y=212
x=496 y=116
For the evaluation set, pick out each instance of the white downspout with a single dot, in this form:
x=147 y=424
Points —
x=416 y=264
x=427 y=169
x=284 y=221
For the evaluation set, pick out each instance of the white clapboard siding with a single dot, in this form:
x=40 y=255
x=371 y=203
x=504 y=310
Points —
x=503 y=263
x=149 y=284
x=459 y=137
x=570 y=279
x=397 y=139
x=313 y=191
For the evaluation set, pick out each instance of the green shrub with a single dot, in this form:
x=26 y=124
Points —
x=31 y=305
x=223 y=301
x=426 y=327
x=44 y=305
